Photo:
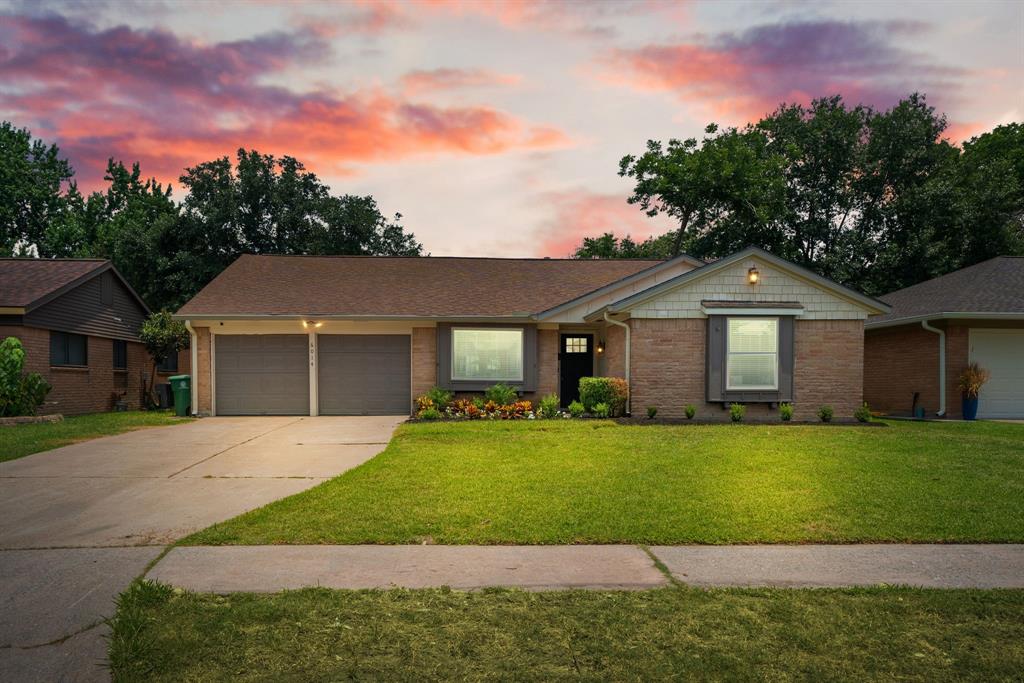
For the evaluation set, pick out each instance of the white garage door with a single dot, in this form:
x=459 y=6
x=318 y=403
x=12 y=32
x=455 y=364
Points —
x=1001 y=352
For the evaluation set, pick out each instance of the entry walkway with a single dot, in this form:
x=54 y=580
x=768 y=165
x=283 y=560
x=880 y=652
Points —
x=225 y=569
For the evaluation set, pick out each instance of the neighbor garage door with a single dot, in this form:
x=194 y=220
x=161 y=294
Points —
x=1001 y=352
x=262 y=374
x=363 y=374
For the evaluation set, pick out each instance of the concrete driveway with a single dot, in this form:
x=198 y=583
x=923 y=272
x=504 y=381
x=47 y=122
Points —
x=78 y=523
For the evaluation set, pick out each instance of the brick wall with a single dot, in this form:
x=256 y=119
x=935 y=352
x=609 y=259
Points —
x=547 y=364
x=957 y=357
x=424 y=360
x=615 y=351
x=201 y=378
x=828 y=367
x=90 y=389
x=667 y=367
x=899 y=361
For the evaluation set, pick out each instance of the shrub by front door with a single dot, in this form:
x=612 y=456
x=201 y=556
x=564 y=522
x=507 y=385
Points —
x=576 y=359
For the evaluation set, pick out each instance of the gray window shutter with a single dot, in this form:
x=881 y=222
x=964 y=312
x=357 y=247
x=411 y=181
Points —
x=786 y=358
x=715 y=358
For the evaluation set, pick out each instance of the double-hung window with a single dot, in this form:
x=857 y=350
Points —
x=120 y=354
x=752 y=354
x=487 y=354
x=68 y=349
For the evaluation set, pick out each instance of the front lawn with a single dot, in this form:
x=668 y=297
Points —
x=557 y=482
x=20 y=440
x=666 y=634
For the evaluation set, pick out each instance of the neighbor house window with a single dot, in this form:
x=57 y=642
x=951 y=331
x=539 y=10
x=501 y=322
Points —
x=491 y=355
x=68 y=349
x=120 y=354
x=752 y=354
x=169 y=364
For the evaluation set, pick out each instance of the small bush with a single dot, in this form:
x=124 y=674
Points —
x=690 y=410
x=863 y=414
x=502 y=394
x=479 y=402
x=20 y=393
x=441 y=397
x=602 y=410
x=737 y=411
x=786 y=411
x=576 y=409
x=612 y=391
x=548 y=406
x=825 y=413
x=429 y=414
x=651 y=412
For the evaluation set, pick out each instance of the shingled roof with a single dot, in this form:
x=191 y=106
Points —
x=993 y=286
x=26 y=281
x=402 y=286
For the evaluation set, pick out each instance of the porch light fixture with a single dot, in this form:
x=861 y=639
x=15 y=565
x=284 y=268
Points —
x=600 y=346
x=753 y=275
x=311 y=323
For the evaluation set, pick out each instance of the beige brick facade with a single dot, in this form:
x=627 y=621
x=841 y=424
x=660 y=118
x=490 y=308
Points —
x=201 y=379
x=424 y=360
x=828 y=367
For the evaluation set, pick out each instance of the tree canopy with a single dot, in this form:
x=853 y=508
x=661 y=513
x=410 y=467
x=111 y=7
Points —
x=876 y=200
x=167 y=251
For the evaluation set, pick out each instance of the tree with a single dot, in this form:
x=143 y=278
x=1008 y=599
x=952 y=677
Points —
x=32 y=199
x=21 y=393
x=163 y=337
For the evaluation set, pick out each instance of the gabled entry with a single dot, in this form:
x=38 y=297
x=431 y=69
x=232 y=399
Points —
x=576 y=359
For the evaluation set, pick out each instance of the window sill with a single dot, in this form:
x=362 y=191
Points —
x=70 y=368
x=122 y=371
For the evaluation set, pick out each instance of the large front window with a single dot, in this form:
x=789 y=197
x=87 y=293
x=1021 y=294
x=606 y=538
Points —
x=752 y=354
x=490 y=355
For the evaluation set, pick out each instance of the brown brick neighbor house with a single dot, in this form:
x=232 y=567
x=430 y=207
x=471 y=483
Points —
x=936 y=328
x=310 y=335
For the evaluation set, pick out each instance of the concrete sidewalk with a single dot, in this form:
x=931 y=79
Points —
x=225 y=569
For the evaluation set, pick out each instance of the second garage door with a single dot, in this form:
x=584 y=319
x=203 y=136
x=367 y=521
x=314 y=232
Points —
x=262 y=374
x=363 y=374
x=1001 y=352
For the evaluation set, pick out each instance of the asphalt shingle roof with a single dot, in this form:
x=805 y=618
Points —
x=403 y=286
x=24 y=281
x=993 y=286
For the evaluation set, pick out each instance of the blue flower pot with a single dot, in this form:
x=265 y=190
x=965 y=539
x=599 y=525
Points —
x=969 y=408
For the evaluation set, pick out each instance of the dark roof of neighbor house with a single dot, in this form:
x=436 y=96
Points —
x=993 y=286
x=26 y=281
x=379 y=286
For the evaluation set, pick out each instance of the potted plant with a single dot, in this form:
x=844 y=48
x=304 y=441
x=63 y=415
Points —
x=971 y=380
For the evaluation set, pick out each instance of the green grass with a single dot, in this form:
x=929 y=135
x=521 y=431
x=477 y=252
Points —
x=667 y=634
x=20 y=440
x=599 y=482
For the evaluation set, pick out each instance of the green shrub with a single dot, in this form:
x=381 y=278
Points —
x=612 y=391
x=690 y=410
x=20 y=393
x=478 y=402
x=602 y=410
x=786 y=411
x=737 y=411
x=825 y=413
x=651 y=412
x=502 y=394
x=863 y=414
x=429 y=414
x=441 y=397
x=548 y=406
x=576 y=409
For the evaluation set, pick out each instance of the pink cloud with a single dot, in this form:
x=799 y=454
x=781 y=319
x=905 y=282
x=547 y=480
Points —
x=581 y=213
x=420 y=81
x=170 y=103
x=746 y=75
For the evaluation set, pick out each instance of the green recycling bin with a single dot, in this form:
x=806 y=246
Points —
x=181 y=387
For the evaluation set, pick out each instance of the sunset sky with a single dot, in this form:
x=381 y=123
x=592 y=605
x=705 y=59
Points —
x=495 y=128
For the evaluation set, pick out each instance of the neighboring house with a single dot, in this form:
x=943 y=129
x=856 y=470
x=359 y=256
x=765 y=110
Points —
x=305 y=335
x=936 y=328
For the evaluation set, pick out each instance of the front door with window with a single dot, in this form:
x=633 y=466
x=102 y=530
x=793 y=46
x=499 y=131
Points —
x=576 y=356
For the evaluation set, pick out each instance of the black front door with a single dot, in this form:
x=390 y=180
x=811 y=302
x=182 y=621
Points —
x=576 y=354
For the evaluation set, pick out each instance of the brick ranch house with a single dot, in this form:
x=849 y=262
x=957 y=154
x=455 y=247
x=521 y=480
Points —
x=936 y=328
x=78 y=321
x=307 y=335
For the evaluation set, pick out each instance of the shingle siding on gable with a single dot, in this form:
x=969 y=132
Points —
x=731 y=284
x=82 y=310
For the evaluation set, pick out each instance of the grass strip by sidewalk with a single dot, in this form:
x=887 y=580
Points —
x=17 y=441
x=561 y=482
x=675 y=633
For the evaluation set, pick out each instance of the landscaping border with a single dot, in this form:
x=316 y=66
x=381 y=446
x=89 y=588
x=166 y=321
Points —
x=30 y=419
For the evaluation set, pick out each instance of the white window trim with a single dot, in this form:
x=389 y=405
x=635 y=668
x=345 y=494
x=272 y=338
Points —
x=522 y=354
x=728 y=355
